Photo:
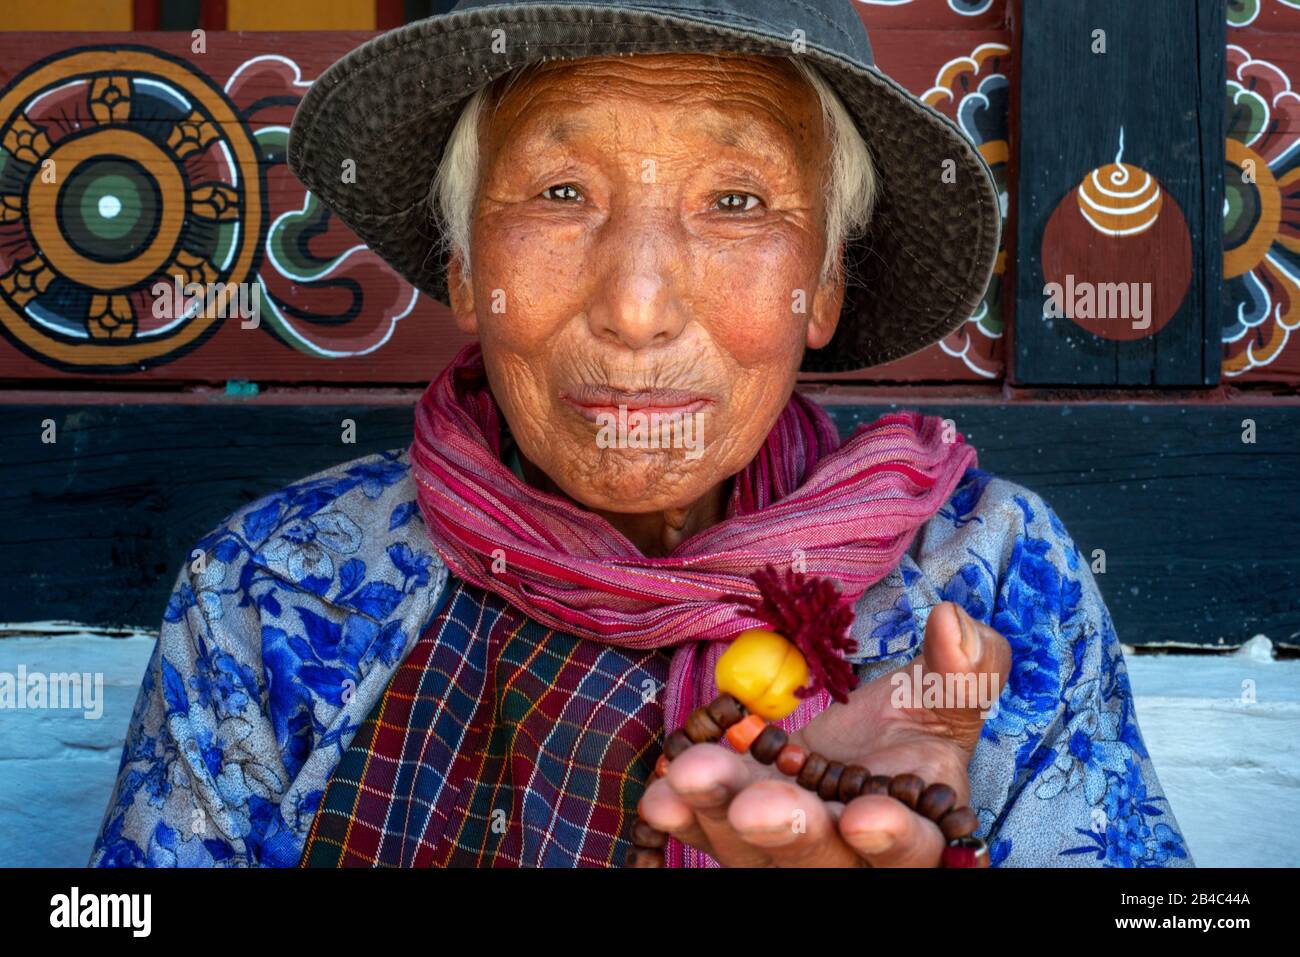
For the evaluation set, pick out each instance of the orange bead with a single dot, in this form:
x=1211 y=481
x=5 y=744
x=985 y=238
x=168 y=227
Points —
x=744 y=732
x=661 y=766
x=791 y=759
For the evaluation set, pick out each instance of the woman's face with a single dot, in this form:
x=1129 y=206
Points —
x=648 y=235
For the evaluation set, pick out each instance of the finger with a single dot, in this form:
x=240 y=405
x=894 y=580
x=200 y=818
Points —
x=969 y=659
x=886 y=833
x=792 y=826
x=664 y=810
x=706 y=777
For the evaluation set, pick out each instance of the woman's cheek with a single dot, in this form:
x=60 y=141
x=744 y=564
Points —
x=525 y=299
x=760 y=312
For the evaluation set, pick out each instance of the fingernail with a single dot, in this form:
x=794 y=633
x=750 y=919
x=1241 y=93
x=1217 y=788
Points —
x=970 y=635
x=873 y=842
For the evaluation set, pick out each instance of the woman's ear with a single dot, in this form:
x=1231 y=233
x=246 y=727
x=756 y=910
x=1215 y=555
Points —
x=826 y=307
x=461 y=292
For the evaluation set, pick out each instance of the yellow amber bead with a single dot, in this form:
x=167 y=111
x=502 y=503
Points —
x=762 y=670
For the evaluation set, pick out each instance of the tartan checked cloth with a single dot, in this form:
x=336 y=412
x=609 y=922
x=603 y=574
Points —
x=498 y=742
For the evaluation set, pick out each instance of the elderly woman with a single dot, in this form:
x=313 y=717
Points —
x=469 y=653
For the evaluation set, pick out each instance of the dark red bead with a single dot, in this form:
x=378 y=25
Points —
x=643 y=835
x=852 y=781
x=791 y=760
x=645 y=857
x=676 y=743
x=700 y=727
x=828 y=789
x=725 y=710
x=768 y=744
x=906 y=788
x=959 y=822
x=876 y=784
x=965 y=852
x=810 y=775
x=936 y=801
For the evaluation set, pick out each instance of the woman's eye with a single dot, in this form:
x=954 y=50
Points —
x=729 y=201
x=567 y=192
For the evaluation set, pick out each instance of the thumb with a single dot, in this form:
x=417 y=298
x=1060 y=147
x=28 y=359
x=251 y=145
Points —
x=964 y=664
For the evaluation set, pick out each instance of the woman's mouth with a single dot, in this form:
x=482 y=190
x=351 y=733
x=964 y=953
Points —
x=592 y=402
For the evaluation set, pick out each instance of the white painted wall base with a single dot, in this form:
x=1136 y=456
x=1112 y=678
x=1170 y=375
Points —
x=1229 y=764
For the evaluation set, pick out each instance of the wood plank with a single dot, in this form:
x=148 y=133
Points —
x=300 y=15
x=1119 y=193
x=1193 y=521
x=79 y=15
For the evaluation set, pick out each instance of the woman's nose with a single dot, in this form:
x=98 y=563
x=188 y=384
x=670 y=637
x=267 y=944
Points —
x=638 y=303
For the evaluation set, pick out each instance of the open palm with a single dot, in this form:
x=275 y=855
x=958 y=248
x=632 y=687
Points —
x=746 y=814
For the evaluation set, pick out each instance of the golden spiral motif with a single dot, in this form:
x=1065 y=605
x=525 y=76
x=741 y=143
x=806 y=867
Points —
x=1119 y=199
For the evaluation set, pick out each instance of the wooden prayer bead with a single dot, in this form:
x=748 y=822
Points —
x=643 y=835
x=828 y=789
x=936 y=801
x=876 y=784
x=700 y=727
x=725 y=711
x=661 y=766
x=851 y=782
x=959 y=822
x=811 y=774
x=791 y=759
x=645 y=857
x=676 y=743
x=906 y=788
x=768 y=745
x=743 y=733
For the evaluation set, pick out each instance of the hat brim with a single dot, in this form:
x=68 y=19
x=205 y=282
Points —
x=918 y=272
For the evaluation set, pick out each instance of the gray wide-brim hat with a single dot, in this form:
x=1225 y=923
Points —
x=915 y=275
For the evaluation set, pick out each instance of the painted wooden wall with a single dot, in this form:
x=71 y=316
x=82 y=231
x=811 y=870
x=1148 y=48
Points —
x=337 y=314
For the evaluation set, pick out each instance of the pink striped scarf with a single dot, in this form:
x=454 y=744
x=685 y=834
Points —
x=847 y=512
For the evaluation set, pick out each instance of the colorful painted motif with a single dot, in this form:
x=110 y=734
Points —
x=975 y=92
x=1261 y=216
x=126 y=172
x=936 y=8
x=1101 y=241
x=1243 y=13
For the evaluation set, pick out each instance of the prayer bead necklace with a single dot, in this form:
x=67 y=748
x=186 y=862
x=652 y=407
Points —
x=762 y=676
x=832 y=780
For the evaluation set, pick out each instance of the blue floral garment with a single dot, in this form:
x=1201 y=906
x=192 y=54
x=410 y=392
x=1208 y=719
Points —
x=277 y=645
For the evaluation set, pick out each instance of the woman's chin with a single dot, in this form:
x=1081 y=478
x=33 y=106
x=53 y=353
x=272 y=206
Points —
x=636 y=481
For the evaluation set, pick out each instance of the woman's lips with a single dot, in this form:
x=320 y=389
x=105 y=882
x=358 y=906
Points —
x=592 y=402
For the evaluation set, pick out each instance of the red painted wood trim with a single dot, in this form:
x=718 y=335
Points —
x=388 y=14
x=146 y=15
x=212 y=14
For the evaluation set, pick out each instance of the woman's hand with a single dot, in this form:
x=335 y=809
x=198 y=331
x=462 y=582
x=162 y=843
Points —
x=745 y=814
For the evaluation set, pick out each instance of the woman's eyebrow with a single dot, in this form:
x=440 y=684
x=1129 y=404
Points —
x=550 y=128
x=762 y=140
x=560 y=129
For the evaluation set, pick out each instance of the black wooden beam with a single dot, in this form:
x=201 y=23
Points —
x=1198 y=526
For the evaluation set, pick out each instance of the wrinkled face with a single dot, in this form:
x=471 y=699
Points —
x=647 y=247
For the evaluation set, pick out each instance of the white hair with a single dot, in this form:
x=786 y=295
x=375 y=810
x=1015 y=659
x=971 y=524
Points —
x=850 y=188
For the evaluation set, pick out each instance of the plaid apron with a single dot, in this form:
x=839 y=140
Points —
x=498 y=742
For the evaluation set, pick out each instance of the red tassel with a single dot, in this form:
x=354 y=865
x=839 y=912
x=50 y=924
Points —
x=810 y=612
